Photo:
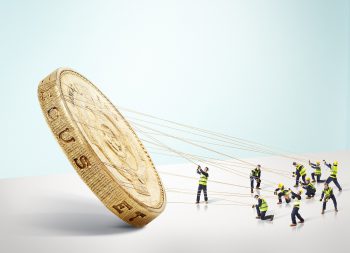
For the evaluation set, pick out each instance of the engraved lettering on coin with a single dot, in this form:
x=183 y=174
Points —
x=137 y=214
x=65 y=136
x=82 y=162
x=44 y=95
x=53 y=113
x=121 y=206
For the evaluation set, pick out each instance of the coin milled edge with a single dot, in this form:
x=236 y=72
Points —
x=84 y=160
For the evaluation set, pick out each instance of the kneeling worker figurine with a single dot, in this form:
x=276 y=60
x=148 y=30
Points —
x=261 y=209
x=282 y=192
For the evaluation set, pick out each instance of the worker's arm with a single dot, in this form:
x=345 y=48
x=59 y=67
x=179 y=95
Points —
x=327 y=164
x=204 y=173
x=294 y=195
x=259 y=202
x=322 y=195
x=314 y=166
x=259 y=174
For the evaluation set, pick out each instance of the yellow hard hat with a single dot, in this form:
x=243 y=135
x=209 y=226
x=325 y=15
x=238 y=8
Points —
x=280 y=185
x=318 y=163
x=300 y=191
x=308 y=179
x=335 y=163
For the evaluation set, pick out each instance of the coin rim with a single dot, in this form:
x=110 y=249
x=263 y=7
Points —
x=55 y=79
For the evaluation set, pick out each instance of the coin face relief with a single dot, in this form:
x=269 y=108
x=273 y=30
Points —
x=102 y=147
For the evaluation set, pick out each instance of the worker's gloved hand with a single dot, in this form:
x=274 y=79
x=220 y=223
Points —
x=275 y=193
x=320 y=199
x=253 y=206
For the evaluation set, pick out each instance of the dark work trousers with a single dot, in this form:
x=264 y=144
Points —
x=318 y=178
x=335 y=180
x=310 y=192
x=295 y=212
x=334 y=202
x=258 y=181
x=298 y=177
x=262 y=215
x=200 y=188
x=280 y=195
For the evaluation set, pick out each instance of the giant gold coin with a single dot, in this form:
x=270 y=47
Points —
x=102 y=147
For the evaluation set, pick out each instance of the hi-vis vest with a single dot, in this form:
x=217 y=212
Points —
x=311 y=186
x=334 y=171
x=263 y=207
x=297 y=203
x=203 y=180
x=301 y=169
x=318 y=170
x=328 y=192
x=255 y=172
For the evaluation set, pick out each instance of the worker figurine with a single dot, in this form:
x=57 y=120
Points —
x=255 y=175
x=280 y=192
x=310 y=189
x=296 y=207
x=317 y=172
x=261 y=209
x=202 y=185
x=327 y=194
x=333 y=175
x=300 y=171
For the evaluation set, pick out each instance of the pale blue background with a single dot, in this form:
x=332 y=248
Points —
x=272 y=71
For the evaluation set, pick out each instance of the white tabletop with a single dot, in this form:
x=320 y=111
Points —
x=58 y=213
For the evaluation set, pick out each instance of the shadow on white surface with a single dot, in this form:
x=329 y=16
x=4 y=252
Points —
x=72 y=217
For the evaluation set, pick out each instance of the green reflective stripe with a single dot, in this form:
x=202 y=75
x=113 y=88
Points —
x=263 y=207
x=203 y=180
x=334 y=171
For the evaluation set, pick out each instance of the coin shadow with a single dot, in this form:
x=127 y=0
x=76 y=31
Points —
x=75 y=218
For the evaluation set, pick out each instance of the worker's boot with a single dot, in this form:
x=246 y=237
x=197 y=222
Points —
x=296 y=185
x=258 y=188
x=279 y=202
x=336 y=209
x=302 y=221
x=313 y=181
x=308 y=197
x=272 y=216
x=258 y=217
x=322 y=211
x=292 y=225
x=197 y=202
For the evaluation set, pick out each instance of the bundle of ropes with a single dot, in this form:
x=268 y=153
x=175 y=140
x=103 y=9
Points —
x=159 y=135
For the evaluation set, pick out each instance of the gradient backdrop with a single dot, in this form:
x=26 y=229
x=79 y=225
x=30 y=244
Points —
x=272 y=71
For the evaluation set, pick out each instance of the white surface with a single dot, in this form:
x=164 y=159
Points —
x=60 y=214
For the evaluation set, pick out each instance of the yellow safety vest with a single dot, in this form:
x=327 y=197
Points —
x=301 y=169
x=318 y=170
x=263 y=207
x=297 y=203
x=328 y=192
x=334 y=171
x=203 y=180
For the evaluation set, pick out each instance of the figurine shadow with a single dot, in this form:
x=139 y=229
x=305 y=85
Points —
x=74 y=217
